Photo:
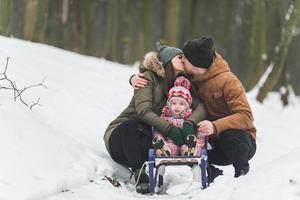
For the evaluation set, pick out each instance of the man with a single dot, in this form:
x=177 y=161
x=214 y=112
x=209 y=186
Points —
x=229 y=124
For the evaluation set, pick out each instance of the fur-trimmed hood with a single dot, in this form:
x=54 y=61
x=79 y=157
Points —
x=152 y=63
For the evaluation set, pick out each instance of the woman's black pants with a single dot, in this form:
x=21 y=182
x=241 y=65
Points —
x=129 y=144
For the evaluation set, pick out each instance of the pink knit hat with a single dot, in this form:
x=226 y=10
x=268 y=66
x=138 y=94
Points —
x=181 y=90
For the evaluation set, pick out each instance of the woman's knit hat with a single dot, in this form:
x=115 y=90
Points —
x=199 y=52
x=181 y=90
x=166 y=53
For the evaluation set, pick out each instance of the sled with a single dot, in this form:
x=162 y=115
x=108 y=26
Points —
x=156 y=171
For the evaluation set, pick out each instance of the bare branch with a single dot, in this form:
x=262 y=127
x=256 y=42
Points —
x=5 y=69
x=17 y=92
x=35 y=103
x=31 y=86
x=7 y=88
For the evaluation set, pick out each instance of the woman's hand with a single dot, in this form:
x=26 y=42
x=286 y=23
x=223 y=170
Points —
x=138 y=81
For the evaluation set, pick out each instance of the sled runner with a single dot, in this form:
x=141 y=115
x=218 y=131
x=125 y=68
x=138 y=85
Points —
x=157 y=165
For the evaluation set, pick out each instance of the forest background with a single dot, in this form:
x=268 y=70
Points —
x=252 y=35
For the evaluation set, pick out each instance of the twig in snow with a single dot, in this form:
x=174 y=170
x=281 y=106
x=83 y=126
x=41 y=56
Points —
x=113 y=181
x=17 y=92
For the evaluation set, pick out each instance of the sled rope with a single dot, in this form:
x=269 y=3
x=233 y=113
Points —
x=171 y=196
x=145 y=163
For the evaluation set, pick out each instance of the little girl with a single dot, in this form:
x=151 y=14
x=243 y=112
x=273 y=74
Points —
x=175 y=112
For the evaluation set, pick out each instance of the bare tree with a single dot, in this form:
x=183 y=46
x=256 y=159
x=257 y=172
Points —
x=11 y=85
x=285 y=41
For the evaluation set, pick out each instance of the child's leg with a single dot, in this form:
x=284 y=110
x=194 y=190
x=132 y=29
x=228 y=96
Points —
x=199 y=145
x=193 y=146
x=173 y=147
x=200 y=142
x=160 y=145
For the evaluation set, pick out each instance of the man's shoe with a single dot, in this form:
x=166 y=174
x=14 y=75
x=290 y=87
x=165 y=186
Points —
x=241 y=172
x=213 y=172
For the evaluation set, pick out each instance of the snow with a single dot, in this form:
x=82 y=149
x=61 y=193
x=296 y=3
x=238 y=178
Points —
x=53 y=151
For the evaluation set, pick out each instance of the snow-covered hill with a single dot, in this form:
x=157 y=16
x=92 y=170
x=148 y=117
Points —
x=58 y=146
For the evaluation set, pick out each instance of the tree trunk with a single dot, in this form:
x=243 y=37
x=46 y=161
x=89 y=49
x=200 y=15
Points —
x=285 y=41
x=257 y=50
x=5 y=13
x=30 y=17
x=111 y=46
x=172 y=22
x=65 y=11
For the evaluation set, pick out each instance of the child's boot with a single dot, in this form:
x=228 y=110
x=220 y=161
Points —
x=189 y=149
x=161 y=149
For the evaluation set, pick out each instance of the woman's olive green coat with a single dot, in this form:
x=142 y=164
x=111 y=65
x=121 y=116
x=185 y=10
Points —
x=147 y=103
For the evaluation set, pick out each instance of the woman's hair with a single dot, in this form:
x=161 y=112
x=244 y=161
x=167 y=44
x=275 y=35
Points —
x=169 y=77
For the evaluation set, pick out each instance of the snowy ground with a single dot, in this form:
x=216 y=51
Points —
x=53 y=151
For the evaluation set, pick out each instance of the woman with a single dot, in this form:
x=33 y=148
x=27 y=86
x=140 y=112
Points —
x=128 y=138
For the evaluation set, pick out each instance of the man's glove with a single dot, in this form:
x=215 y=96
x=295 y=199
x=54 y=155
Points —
x=187 y=129
x=175 y=134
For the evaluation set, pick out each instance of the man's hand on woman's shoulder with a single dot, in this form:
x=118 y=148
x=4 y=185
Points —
x=138 y=81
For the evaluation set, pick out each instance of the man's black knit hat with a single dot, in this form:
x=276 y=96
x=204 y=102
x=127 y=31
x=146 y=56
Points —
x=199 y=51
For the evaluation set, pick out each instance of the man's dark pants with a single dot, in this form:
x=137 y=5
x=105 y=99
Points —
x=232 y=146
